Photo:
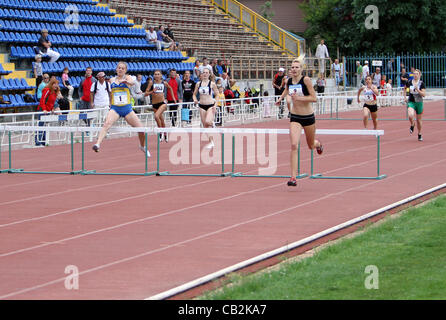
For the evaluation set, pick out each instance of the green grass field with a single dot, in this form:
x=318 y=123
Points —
x=409 y=253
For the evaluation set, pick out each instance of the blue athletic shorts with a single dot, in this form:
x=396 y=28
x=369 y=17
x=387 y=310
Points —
x=122 y=111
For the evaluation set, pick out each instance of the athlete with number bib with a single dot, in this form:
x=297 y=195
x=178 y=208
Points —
x=207 y=104
x=157 y=88
x=302 y=93
x=370 y=108
x=417 y=91
x=121 y=107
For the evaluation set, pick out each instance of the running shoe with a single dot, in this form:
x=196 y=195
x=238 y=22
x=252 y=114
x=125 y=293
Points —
x=411 y=129
x=210 y=145
x=161 y=136
x=320 y=149
x=144 y=149
x=420 y=138
x=166 y=137
x=292 y=182
x=95 y=148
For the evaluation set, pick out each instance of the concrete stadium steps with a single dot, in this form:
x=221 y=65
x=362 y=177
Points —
x=202 y=29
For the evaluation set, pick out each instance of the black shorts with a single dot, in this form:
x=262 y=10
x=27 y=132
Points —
x=157 y=105
x=371 y=107
x=304 y=121
x=205 y=107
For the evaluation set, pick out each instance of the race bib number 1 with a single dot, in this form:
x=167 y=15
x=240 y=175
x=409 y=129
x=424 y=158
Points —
x=120 y=98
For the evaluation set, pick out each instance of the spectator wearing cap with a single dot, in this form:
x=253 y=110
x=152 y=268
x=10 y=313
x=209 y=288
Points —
x=365 y=71
x=177 y=90
x=45 y=47
x=278 y=84
x=100 y=92
x=152 y=37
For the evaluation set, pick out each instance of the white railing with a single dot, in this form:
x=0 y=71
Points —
x=235 y=112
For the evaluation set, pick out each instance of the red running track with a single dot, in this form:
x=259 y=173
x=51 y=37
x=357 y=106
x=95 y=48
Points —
x=132 y=237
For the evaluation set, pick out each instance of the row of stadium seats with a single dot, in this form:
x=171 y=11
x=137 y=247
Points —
x=14 y=14
x=109 y=66
x=16 y=100
x=18 y=37
x=30 y=26
x=3 y=71
x=97 y=53
x=54 y=6
x=14 y=84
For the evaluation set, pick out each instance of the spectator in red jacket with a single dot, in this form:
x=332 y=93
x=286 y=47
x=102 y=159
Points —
x=49 y=96
x=177 y=89
x=47 y=103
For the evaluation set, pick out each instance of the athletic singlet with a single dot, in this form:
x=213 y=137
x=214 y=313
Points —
x=158 y=87
x=369 y=95
x=413 y=95
x=205 y=90
x=120 y=94
x=300 y=88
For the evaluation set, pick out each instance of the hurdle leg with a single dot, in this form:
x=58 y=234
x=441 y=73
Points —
x=2 y=170
x=223 y=173
x=240 y=174
x=10 y=169
x=378 y=176
x=83 y=171
x=146 y=166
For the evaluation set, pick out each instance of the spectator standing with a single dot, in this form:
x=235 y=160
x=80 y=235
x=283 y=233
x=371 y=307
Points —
x=365 y=71
x=45 y=47
x=37 y=69
x=174 y=96
x=358 y=74
x=220 y=107
x=136 y=91
x=196 y=74
x=322 y=54
x=84 y=92
x=66 y=83
x=278 y=85
x=100 y=92
x=205 y=64
x=85 y=89
x=404 y=77
x=47 y=104
x=336 y=70
x=411 y=73
x=376 y=78
x=214 y=68
x=224 y=80
x=188 y=86
x=226 y=68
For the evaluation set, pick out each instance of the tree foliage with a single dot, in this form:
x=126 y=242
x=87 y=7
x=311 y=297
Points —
x=404 y=26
